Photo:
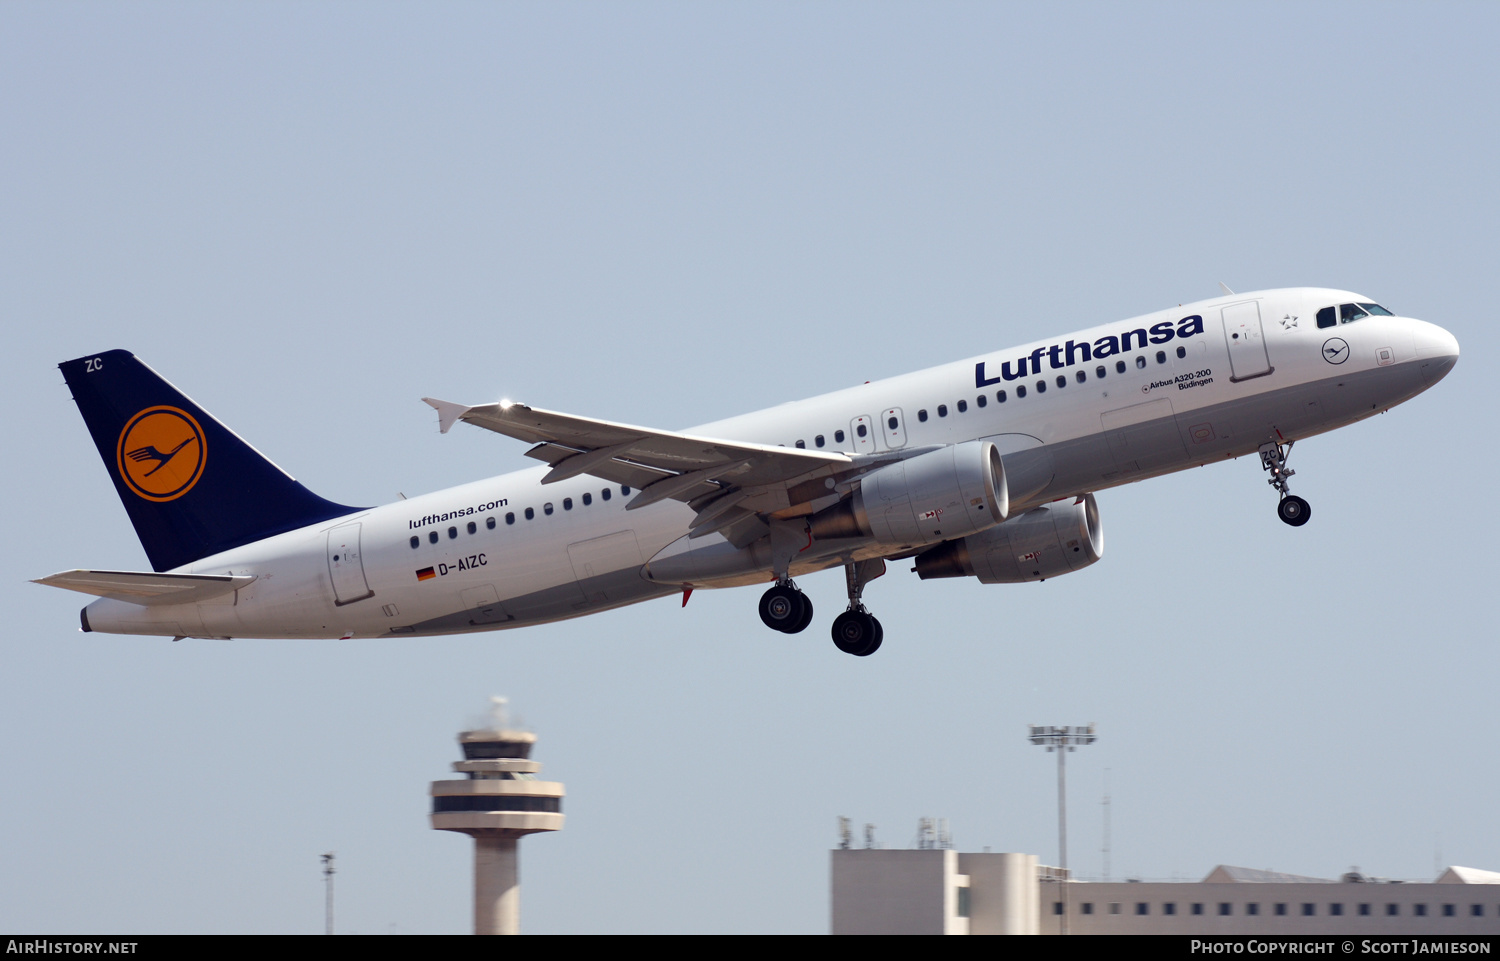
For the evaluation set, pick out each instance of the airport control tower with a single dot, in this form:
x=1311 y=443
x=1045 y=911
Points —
x=499 y=801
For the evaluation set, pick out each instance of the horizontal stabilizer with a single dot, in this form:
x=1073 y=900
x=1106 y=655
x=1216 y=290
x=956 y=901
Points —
x=148 y=589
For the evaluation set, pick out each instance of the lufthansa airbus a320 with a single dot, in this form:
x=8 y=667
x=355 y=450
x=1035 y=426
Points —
x=984 y=468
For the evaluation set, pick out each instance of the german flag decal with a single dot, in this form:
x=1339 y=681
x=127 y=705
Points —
x=425 y=574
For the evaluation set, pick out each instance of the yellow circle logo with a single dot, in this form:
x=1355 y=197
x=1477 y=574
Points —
x=161 y=453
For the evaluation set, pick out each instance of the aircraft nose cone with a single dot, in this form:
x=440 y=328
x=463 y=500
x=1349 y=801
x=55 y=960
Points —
x=1436 y=351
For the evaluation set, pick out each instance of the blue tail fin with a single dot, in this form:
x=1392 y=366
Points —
x=190 y=485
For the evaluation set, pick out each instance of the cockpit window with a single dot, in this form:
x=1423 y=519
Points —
x=1377 y=310
x=1326 y=317
x=1349 y=313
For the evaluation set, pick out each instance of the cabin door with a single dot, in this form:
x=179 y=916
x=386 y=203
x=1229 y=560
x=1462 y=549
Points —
x=345 y=568
x=1247 y=342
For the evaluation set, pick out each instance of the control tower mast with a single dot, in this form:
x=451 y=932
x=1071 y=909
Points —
x=498 y=802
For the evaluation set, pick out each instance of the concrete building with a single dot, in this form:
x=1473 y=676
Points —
x=934 y=892
x=945 y=892
x=498 y=802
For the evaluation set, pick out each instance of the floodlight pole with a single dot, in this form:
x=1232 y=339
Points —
x=1062 y=740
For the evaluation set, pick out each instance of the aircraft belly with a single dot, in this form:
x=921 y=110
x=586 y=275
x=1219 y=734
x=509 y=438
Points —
x=1231 y=428
x=603 y=591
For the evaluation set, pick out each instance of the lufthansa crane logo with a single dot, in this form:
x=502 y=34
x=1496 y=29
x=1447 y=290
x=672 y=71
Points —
x=1335 y=350
x=161 y=453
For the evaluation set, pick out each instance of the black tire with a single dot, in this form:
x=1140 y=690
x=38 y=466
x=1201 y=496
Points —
x=806 y=617
x=852 y=631
x=1293 y=510
x=781 y=607
x=857 y=633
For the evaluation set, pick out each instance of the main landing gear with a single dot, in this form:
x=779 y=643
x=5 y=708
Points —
x=1291 y=509
x=856 y=631
x=785 y=608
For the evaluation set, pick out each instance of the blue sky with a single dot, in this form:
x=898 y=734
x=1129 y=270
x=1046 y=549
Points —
x=310 y=216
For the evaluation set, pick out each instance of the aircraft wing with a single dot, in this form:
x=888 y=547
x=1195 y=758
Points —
x=723 y=479
x=147 y=588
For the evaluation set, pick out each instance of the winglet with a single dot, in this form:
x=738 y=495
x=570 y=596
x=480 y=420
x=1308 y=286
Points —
x=448 y=413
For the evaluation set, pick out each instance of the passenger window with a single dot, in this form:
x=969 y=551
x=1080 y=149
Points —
x=473 y=528
x=415 y=540
x=862 y=430
x=1099 y=372
x=452 y=533
x=624 y=490
x=922 y=416
x=818 y=440
x=1349 y=313
x=547 y=508
x=1119 y=367
x=1082 y=376
x=604 y=493
x=1181 y=351
x=800 y=445
x=432 y=537
x=942 y=410
x=587 y=499
x=1021 y=390
x=1161 y=357
x=838 y=437
x=1326 y=318
x=510 y=517
x=891 y=423
x=963 y=406
x=1062 y=381
x=1140 y=362
x=567 y=503
x=530 y=513
x=1041 y=387
x=999 y=396
x=981 y=400
x=489 y=523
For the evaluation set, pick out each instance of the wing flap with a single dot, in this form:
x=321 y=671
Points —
x=147 y=589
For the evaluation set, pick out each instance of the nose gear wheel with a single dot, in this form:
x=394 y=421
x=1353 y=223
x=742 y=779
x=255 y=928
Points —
x=1291 y=509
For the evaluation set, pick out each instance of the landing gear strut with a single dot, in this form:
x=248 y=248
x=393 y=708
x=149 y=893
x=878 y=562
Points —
x=1291 y=509
x=856 y=631
x=785 y=608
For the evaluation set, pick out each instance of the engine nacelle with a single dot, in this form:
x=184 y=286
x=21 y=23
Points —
x=1044 y=542
x=932 y=497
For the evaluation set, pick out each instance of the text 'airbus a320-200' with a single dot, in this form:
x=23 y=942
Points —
x=984 y=468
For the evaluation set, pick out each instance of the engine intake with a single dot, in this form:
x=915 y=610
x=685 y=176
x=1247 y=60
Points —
x=1044 y=542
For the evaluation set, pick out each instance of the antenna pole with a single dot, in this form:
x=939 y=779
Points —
x=328 y=893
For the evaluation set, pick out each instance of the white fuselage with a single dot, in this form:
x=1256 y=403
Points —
x=510 y=551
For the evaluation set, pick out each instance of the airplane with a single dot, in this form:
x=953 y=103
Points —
x=985 y=468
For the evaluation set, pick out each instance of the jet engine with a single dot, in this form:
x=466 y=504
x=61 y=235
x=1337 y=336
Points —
x=1044 y=542
x=931 y=497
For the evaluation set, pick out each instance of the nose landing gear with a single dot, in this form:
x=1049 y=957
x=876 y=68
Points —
x=1291 y=509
